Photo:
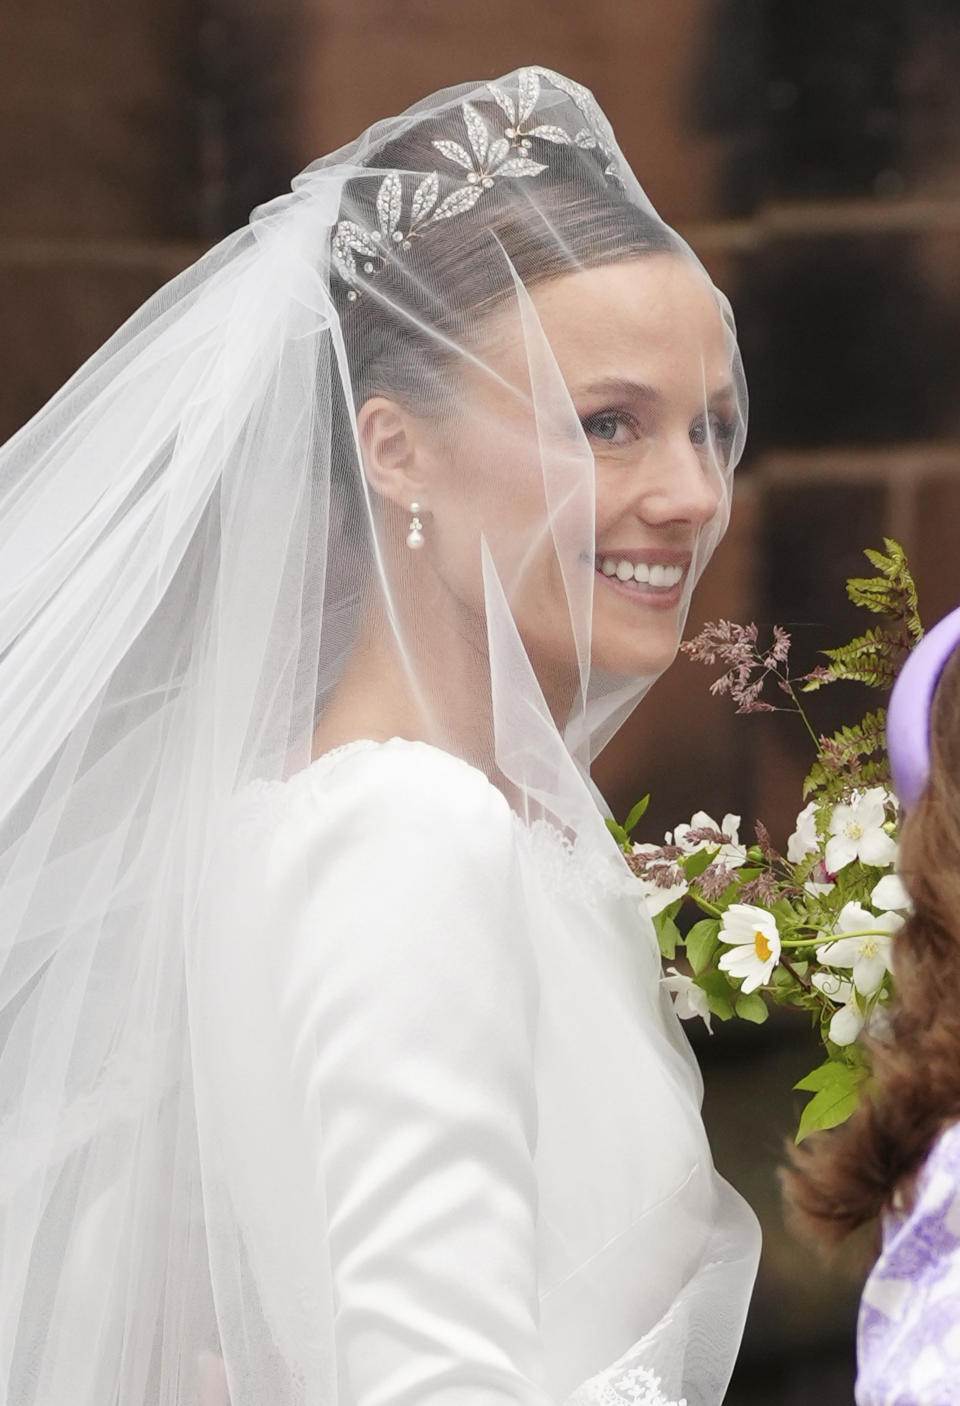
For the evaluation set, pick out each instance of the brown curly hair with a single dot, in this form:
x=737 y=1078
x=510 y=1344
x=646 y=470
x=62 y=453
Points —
x=842 y=1179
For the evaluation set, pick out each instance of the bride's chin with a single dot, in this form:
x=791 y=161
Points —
x=636 y=658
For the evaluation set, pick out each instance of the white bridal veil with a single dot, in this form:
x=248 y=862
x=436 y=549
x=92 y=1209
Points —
x=190 y=556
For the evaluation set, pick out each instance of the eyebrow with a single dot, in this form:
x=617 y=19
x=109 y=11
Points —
x=620 y=386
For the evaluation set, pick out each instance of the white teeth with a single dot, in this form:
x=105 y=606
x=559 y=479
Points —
x=659 y=576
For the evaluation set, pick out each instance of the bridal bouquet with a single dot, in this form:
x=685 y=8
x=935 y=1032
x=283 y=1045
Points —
x=810 y=928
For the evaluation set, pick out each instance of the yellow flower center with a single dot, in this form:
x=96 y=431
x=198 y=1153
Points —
x=854 y=830
x=761 y=946
x=868 y=947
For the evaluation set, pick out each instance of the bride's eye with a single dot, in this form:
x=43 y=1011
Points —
x=713 y=429
x=611 y=426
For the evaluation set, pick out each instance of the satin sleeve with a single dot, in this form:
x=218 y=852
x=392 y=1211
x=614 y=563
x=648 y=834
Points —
x=412 y=993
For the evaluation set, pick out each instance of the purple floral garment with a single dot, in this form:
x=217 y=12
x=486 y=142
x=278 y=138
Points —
x=908 y=1336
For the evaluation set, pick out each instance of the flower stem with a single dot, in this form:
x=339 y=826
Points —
x=705 y=906
x=803 y=716
x=794 y=973
x=824 y=939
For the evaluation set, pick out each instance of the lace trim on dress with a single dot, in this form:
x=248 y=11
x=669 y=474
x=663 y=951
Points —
x=264 y=805
x=623 y=1385
x=566 y=867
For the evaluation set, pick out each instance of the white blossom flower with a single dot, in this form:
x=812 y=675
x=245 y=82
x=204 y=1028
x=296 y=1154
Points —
x=688 y=998
x=856 y=832
x=804 y=839
x=731 y=853
x=833 y=986
x=867 y=953
x=846 y=1022
x=890 y=896
x=656 y=897
x=754 y=941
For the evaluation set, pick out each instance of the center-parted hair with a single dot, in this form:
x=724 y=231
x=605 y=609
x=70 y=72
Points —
x=572 y=214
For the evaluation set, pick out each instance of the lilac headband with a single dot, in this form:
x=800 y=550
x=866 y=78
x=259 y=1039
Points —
x=908 y=716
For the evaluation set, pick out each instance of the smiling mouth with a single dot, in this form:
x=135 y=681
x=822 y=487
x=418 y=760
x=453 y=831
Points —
x=640 y=573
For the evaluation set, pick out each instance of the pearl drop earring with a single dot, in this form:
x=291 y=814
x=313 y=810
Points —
x=415 y=535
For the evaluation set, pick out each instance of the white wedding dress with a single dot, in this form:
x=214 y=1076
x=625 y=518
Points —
x=358 y=1087
x=448 y=1115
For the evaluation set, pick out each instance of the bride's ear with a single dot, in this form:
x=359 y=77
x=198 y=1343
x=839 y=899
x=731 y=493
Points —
x=396 y=454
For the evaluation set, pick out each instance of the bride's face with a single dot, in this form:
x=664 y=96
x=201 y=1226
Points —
x=645 y=358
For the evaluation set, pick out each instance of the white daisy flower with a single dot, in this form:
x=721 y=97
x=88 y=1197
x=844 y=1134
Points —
x=754 y=941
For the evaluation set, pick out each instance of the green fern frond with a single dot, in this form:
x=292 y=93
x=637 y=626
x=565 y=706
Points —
x=817 y=781
x=875 y=657
x=854 y=753
x=873 y=594
x=893 y=592
x=872 y=659
x=876 y=773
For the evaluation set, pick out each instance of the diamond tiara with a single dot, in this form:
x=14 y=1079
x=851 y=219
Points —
x=491 y=157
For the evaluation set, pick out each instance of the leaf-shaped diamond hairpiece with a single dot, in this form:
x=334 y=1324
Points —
x=491 y=157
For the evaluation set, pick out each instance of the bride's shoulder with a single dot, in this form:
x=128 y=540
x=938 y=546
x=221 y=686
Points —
x=379 y=839
x=398 y=793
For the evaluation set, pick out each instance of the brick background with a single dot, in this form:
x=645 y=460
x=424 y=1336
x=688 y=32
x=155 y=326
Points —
x=811 y=154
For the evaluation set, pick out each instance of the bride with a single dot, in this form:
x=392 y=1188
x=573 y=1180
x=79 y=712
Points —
x=335 y=1069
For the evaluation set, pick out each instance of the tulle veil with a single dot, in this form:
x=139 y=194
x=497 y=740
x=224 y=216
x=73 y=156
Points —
x=187 y=543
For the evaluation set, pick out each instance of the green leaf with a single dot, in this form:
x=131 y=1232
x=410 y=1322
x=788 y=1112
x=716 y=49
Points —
x=694 y=864
x=618 y=832
x=636 y=815
x=838 y=1089
x=719 y=992
x=753 y=1007
x=782 y=910
x=668 y=934
x=702 y=942
x=781 y=979
x=747 y=875
x=819 y=1078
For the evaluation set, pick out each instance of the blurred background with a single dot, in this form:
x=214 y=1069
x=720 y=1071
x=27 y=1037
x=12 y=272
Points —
x=810 y=153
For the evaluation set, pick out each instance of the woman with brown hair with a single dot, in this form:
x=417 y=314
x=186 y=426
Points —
x=336 y=1066
x=899 y=1157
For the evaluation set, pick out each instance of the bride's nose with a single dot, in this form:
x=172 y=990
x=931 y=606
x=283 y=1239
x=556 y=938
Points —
x=686 y=485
